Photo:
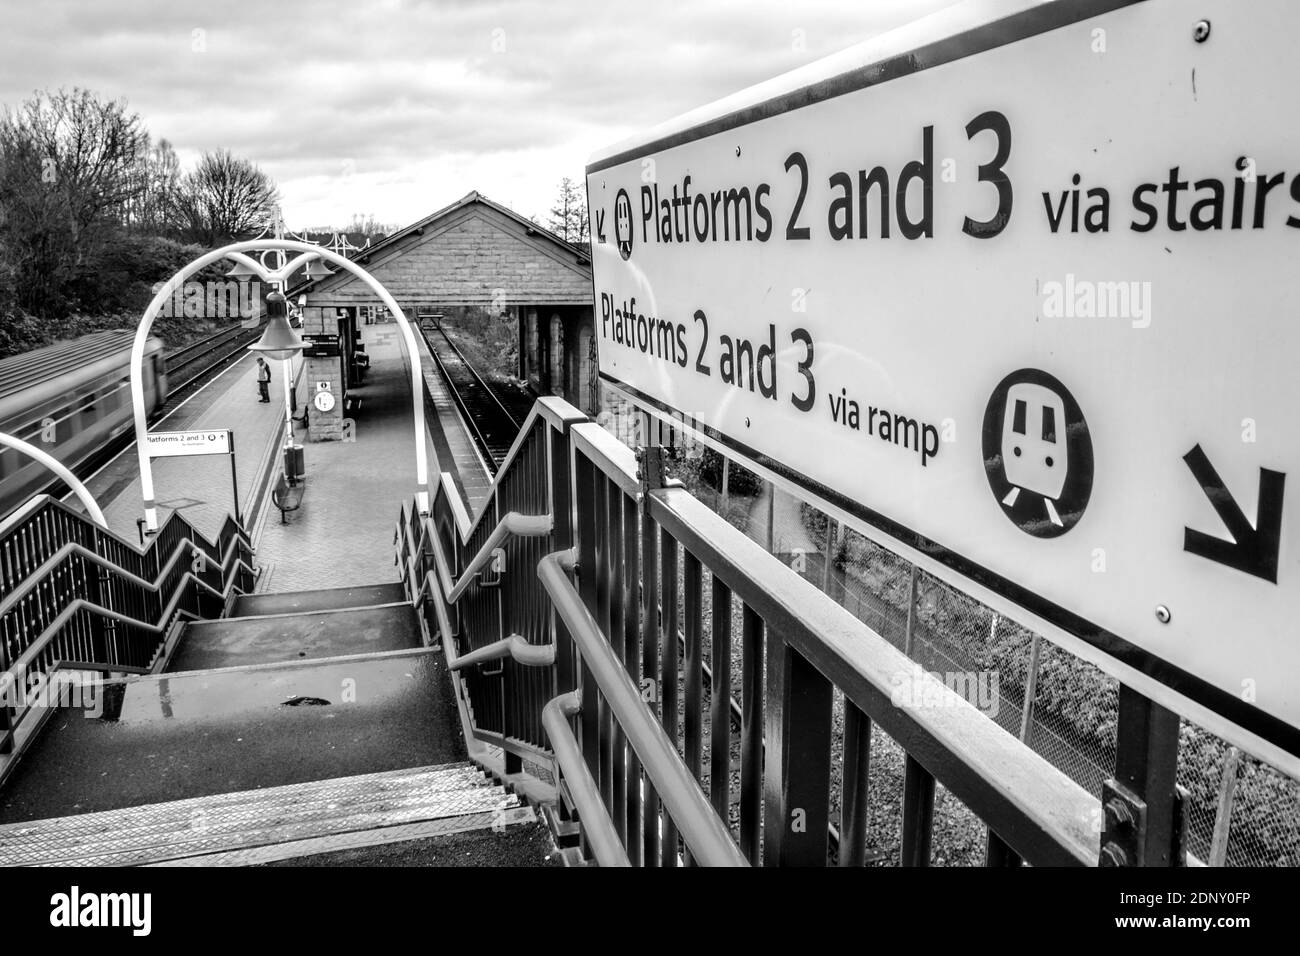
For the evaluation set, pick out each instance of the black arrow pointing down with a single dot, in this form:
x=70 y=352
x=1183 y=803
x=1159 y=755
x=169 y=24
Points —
x=1253 y=549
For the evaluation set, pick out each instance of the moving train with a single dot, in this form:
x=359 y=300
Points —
x=70 y=399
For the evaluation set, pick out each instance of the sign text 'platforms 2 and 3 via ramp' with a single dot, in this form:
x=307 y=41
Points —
x=1014 y=288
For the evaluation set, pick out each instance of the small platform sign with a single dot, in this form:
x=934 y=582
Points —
x=1013 y=291
x=181 y=444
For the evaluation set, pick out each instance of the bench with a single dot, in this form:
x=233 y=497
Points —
x=288 y=497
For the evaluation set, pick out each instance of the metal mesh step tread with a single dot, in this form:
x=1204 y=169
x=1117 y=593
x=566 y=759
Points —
x=149 y=829
x=457 y=794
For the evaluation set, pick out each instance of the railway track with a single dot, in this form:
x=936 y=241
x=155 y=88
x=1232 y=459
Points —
x=190 y=366
x=491 y=423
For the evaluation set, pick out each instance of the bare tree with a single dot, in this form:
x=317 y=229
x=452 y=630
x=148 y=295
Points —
x=367 y=226
x=67 y=162
x=159 y=175
x=568 y=217
x=223 y=199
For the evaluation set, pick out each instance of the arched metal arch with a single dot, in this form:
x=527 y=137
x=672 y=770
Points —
x=61 y=471
x=234 y=252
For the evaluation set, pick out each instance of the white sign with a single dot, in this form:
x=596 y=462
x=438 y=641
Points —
x=178 y=444
x=1013 y=289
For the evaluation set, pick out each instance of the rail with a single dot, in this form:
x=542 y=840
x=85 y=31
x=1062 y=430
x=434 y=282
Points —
x=704 y=833
x=603 y=839
x=472 y=581
x=478 y=379
x=480 y=432
x=513 y=647
x=625 y=637
x=513 y=524
x=78 y=595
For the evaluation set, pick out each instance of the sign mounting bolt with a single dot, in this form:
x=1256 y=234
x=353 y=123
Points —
x=1162 y=614
x=1201 y=32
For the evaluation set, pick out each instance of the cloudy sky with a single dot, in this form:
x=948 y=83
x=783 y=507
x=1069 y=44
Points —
x=397 y=107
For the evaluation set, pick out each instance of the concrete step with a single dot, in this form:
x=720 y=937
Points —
x=274 y=823
x=164 y=737
x=329 y=599
x=307 y=635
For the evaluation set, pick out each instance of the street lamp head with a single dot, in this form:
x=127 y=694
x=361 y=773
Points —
x=316 y=269
x=241 y=272
x=279 y=341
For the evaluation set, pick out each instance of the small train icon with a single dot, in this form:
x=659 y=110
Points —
x=623 y=224
x=1034 y=455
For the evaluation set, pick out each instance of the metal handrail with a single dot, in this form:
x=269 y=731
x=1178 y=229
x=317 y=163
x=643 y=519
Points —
x=703 y=831
x=515 y=647
x=38 y=513
x=597 y=827
x=184 y=546
x=1044 y=814
x=511 y=525
x=38 y=502
x=11 y=675
x=1034 y=812
x=79 y=604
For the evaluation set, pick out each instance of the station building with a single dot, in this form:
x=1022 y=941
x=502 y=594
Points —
x=474 y=252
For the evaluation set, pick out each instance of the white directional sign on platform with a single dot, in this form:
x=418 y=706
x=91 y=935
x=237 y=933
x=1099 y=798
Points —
x=179 y=444
x=1015 y=289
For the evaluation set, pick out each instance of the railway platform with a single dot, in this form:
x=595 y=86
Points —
x=201 y=486
x=339 y=535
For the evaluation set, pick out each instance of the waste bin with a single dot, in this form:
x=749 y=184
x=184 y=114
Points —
x=294 y=466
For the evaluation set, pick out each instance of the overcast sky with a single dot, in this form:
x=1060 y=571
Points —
x=398 y=107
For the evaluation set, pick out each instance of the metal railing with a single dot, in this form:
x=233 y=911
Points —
x=475 y=585
x=78 y=596
x=585 y=650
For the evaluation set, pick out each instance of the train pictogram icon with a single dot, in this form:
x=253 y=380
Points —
x=1034 y=451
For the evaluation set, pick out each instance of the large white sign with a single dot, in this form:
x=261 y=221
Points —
x=179 y=444
x=1015 y=289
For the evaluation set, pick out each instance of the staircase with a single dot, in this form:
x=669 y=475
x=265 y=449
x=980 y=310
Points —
x=302 y=725
x=277 y=823
x=301 y=625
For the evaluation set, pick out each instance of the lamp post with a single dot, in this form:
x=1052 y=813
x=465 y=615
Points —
x=281 y=343
x=237 y=252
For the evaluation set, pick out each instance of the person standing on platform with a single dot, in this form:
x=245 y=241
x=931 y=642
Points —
x=263 y=380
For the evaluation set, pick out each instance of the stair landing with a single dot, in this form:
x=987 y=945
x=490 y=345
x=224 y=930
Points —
x=165 y=737
x=305 y=635
x=294 y=602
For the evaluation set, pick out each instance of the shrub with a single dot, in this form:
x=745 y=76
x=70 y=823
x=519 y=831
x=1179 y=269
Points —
x=740 y=480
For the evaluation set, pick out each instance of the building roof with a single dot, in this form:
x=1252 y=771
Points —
x=562 y=268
